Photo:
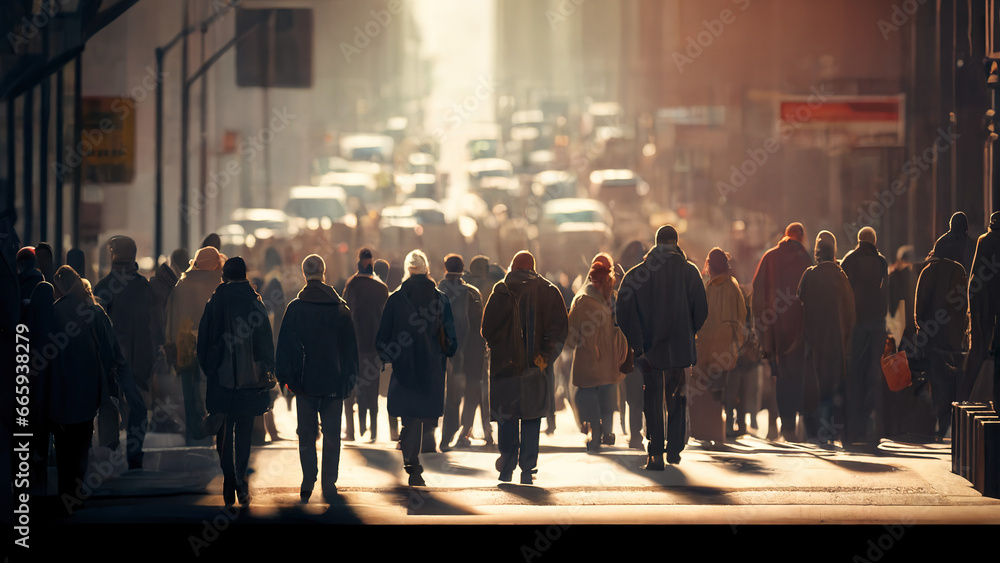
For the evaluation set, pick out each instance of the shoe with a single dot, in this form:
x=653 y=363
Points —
x=608 y=440
x=244 y=497
x=673 y=458
x=463 y=442
x=506 y=477
x=444 y=448
x=593 y=447
x=416 y=480
x=304 y=496
x=526 y=478
x=653 y=463
x=228 y=495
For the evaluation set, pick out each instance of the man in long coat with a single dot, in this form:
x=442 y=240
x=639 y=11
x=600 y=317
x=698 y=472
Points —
x=661 y=305
x=828 y=307
x=984 y=308
x=778 y=320
x=868 y=272
x=366 y=295
x=525 y=324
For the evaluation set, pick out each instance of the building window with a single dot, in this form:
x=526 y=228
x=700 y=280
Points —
x=277 y=49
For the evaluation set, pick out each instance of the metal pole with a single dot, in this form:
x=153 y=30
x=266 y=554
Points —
x=184 y=210
x=60 y=123
x=77 y=136
x=27 y=122
x=158 y=223
x=43 y=160
x=11 y=154
x=203 y=149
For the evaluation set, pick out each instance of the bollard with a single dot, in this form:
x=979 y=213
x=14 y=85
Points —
x=990 y=459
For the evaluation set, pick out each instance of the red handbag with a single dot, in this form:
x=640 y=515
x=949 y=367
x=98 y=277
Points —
x=895 y=366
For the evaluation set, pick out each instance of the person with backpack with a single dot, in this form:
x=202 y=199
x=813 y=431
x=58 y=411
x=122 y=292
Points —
x=317 y=358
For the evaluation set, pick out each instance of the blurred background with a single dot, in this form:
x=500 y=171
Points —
x=563 y=126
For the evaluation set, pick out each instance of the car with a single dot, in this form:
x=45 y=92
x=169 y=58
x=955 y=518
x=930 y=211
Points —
x=255 y=221
x=365 y=146
x=493 y=179
x=317 y=202
x=626 y=195
x=420 y=185
x=554 y=184
x=358 y=185
x=571 y=232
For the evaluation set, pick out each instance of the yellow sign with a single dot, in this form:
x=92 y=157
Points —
x=107 y=143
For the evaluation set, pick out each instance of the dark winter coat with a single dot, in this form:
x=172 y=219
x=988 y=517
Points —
x=317 y=351
x=522 y=383
x=161 y=284
x=366 y=297
x=127 y=298
x=984 y=291
x=868 y=272
x=829 y=318
x=236 y=351
x=661 y=305
x=941 y=310
x=778 y=315
x=409 y=338
x=956 y=246
x=467 y=308
x=81 y=374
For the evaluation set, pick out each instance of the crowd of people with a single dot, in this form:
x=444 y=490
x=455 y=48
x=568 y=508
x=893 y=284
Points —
x=673 y=344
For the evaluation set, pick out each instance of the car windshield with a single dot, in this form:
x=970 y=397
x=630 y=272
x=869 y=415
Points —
x=578 y=216
x=316 y=207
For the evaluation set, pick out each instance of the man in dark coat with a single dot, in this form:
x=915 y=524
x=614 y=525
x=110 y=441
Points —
x=661 y=305
x=525 y=324
x=46 y=260
x=236 y=352
x=942 y=316
x=127 y=298
x=955 y=244
x=984 y=308
x=417 y=336
x=317 y=358
x=366 y=295
x=464 y=383
x=483 y=277
x=778 y=320
x=829 y=318
x=868 y=272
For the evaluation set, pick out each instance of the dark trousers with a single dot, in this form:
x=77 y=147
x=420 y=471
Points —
x=314 y=412
x=369 y=371
x=789 y=370
x=518 y=444
x=193 y=385
x=72 y=443
x=656 y=385
x=233 y=445
x=944 y=372
x=410 y=437
x=864 y=384
x=349 y=404
x=110 y=415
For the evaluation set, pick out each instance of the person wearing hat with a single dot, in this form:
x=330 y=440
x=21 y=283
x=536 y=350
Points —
x=417 y=336
x=828 y=321
x=126 y=296
x=778 y=322
x=600 y=353
x=366 y=295
x=185 y=306
x=868 y=272
x=317 y=358
x=236 y=352
x=941 y=312
x=463 y=386
x=661 y=306
x=984 y=309
x=525 y=324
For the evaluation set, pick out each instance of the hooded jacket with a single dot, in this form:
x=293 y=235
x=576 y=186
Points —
x=828 y=307
x=317 y=350
x=599 y=347
x=722 y=336
x=778 y=315
x=522 y=385
x=941 y=310
x=661 y=305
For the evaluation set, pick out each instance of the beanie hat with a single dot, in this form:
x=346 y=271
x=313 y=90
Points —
x=207 y=258
x=601 y=268
x=122 y=249
x=235 y=269
x=523 y=260
x=453 y=264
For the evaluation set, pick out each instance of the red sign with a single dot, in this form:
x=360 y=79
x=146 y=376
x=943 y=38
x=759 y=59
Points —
x=861 y=111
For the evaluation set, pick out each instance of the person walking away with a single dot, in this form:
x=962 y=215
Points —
x=483 y=278
x=366 y=295
x=828 y=306
x=661 y=306
x=525 y=324
x=868 y=272
x=185 y=307
x=778 y=318
x=417 y=336
x=718 y=347
x=600 y=353
x=462 y=384
x=236 y=352
x=984 y=310
x=955 y=244
x=317 y=358
x=942 y=338
x=127 y=298
x=630 y=389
